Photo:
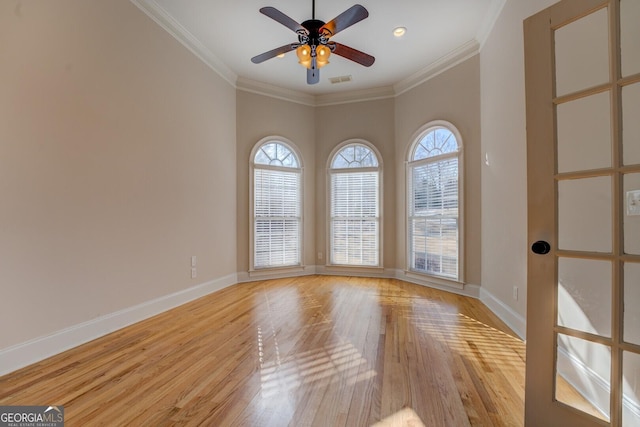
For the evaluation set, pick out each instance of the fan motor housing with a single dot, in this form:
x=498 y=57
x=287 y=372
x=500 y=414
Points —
x=313 y=26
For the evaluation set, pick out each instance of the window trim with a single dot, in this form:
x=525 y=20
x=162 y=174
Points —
x=409 y=164
x=379 y=169
x=267 y=271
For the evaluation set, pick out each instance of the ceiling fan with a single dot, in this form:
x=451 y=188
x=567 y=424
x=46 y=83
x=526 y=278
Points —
x=314 y=45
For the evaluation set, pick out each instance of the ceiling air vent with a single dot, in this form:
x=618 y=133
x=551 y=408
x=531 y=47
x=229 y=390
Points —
x=341 y=79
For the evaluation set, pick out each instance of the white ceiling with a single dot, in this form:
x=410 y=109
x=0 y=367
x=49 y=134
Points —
x=228 y=33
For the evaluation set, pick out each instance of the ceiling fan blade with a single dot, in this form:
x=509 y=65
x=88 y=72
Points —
x=272 y=53
x=313 y=73
x=280 y=17
x=355 y=13
x=353 y=54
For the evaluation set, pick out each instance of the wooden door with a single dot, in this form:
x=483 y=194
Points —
x=582 y=66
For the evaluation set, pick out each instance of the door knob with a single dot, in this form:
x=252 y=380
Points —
x=541 y=247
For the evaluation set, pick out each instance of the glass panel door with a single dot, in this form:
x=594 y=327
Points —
x=582 y=64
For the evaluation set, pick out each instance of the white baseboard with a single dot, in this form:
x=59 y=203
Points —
x=276 y=273
x=466 y=289
x=513 y=320
x=594 y=388
x=588 y=383
x=35 y=350
x=331 y=270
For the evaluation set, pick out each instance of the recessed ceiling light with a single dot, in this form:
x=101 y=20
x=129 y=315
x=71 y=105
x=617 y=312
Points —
x=399 y=31
x=280 y=56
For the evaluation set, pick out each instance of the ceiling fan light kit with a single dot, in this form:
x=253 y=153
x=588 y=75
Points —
x=307 y=53
x=314 y=47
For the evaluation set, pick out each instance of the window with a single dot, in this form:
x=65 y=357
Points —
x=277 y=221
x=354 y=175
x=433 y=198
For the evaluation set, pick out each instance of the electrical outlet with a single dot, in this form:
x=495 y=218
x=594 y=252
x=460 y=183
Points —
x=319 y=255
x=194 y=260
x=194 y=273
x=515 y=293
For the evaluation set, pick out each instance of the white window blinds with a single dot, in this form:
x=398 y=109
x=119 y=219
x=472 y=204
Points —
x=277 y=209
x=355 y=213
x=433 y=223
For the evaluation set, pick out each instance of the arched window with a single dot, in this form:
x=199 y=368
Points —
x=354 y=183
x=434 y=192
x=277 y=205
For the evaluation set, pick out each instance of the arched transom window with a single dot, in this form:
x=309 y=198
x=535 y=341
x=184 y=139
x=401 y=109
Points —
x=354 y=175
x=277 y=221
x=276 y=154
x=433 y=202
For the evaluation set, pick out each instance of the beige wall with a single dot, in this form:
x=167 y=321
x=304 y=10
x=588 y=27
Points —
x=118 y=161
x=504 y=181
x=371 y=121
x=453 y=96
x=258 y=117
x=116 y=165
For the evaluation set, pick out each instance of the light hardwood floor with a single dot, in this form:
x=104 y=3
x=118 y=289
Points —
x=311 y=351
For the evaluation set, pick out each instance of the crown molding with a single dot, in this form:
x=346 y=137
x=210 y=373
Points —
x=266 y=89
x=152 y=9
x=439 y=66
x=161 y=17
x=371 y=94
x=277 y=92
x=455 y=57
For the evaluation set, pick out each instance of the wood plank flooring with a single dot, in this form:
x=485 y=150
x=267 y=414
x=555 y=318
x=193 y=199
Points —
x=311 y=351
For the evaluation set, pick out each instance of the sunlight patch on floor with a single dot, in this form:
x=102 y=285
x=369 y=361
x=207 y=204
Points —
x=334 y=363
x=404 y=418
